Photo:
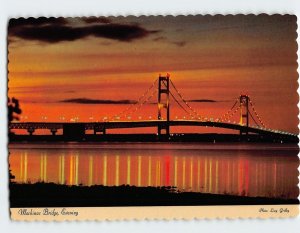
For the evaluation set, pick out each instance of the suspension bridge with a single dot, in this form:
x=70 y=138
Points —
x=250 y=123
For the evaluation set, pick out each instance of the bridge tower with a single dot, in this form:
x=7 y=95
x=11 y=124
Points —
x=163 y=103
x=244 y=107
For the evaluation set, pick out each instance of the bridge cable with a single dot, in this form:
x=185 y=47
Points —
x=143 y=103
x=184 y=101
x=233 y=105
x=179 y=103
x=138 y=101
x=256 y=114
x=229 y=111
x=189 y=113
x=232 y=114
x=253 y=118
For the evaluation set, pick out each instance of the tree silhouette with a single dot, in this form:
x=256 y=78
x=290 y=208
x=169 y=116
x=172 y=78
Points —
x=11 y=177
x=13 y=109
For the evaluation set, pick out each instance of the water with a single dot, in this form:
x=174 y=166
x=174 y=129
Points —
x=266 y=170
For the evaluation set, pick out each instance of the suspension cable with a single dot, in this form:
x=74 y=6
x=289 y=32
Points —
x=179 y=103
x=224 y=117
x=253 y=118
x=258 y=117
x=138 y=101
x=143 y=103
x=184 y=101
x=231 y=115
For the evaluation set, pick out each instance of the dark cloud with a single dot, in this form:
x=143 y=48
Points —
x=179 y=43
x=202 y=101
x=42 y=21
x=97 y=20
x=97 y=101
x=54 y=30
x=119 y=32
x=164 y=39
x=160 y=38
x=50 y=33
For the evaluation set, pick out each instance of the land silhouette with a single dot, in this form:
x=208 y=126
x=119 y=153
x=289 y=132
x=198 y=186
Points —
x=55 y=195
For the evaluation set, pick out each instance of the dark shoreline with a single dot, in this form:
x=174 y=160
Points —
x=54 y=195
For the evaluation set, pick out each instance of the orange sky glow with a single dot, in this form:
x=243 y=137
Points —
x=216 y=58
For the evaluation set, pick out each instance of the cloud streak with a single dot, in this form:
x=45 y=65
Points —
x=97 y=101
x=179 y=43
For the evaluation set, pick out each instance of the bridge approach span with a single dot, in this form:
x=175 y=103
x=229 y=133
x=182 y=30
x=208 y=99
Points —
x=102 y=126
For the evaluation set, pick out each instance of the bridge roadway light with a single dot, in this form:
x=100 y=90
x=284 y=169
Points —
x=62 y=118
x=76 y=118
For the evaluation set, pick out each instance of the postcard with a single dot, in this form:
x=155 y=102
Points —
x=153 y=117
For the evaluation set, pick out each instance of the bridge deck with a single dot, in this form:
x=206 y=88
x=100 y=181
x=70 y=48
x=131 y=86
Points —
x=141 y=124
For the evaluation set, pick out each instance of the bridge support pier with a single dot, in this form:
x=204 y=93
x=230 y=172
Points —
x=73 y=131
x=102 y=130
x=53 y=131
x=30 y=131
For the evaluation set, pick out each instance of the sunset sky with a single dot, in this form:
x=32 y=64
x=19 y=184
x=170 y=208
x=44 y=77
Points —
x=87 y=67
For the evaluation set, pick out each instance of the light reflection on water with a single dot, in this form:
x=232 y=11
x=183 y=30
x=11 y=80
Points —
x=251 y=170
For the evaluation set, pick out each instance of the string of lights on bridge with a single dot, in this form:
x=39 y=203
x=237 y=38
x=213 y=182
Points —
x=183 y=104
x=127 y=111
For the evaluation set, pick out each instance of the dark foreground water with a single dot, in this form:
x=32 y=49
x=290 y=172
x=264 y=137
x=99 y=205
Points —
x=266 y=170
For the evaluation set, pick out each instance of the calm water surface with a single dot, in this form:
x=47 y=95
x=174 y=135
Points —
x=240 y=169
